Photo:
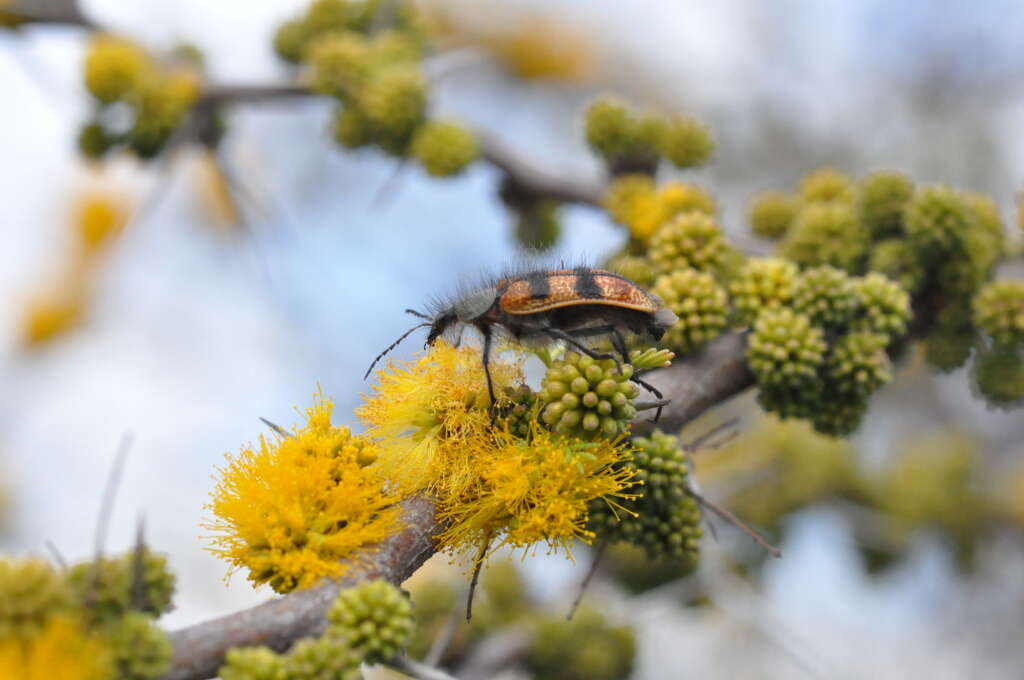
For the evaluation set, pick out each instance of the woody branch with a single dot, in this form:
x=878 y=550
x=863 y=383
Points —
x=695 y=385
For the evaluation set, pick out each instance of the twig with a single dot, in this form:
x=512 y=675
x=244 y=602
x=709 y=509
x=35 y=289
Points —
x=57 y=556
x=139 y=567
x=598 y=554
x=443 y=640
x=275 y=427
x=477 y=566
x=696 y=444
x=68 y=13
x=106 y=512
x=735 y=521
x=417 y=669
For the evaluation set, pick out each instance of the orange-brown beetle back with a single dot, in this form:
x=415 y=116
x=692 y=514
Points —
x=542 y=291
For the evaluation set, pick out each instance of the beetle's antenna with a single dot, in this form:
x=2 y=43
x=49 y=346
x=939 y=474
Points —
x=392 y=346
x=417 y=314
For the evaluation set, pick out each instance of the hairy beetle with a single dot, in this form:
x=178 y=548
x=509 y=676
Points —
x=550 y=305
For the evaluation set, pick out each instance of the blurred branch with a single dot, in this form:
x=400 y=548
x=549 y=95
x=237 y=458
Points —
x=48 y=12
x=695 y=385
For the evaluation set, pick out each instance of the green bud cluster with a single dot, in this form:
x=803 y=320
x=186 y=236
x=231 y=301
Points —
x=826 y=295
x=699 y=302
x=880 y=202
x=999 y=311
x=772 y=213
x=538 y=225
x=328 y=657
x=516 y=415
x=156 y=97
x=763 y=283
x=884 y=305
x=141 y=649
x=859 y=365
x=636 y=268
x=691 y=239
x=664 y=520
x=826 y=233
x=252 y=663
x=998 y=374
x=375 y=617
x=444 y=149
x=31 y=592
x=826 y=185
x=585 y=648
x=110 y=590
x=628 y=141
x=294 y=37
x=587 y=397
x=937 y=220
x=785 y=350
x=898 y=260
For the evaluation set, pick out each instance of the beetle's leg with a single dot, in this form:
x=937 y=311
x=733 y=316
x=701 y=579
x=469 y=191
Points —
x=559 y=334
x=653 y=390
x=487 y=370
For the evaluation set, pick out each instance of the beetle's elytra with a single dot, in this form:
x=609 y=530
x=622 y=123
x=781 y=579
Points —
x=550 y=305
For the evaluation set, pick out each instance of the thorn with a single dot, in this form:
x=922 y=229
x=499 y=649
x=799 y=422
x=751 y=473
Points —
x=735 y=521
x=276 y=428
x=598 y=554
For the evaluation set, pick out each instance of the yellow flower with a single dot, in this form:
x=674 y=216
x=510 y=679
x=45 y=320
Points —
x=536 y=490
x=99 y=218
x=634 y=202
x=435 y=434
x=431 y=417
x=52 y=315
x=293 y=508
x=62 y=651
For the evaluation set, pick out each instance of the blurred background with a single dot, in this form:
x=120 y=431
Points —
x=241 y=283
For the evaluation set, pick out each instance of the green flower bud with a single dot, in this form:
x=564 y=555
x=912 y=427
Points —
x=375 y=617
x=610 y=129
x=785 y=350
x=999 y=311
x=692 y=239
x=141 y=649
x=838 y=417
x=685 y=142
x=881 y=200
x=771 y=214
x=763 y=283
x=898 y=260
x=115 y=68
x=826 y=185
x=290 y=40
x=579 y=375
x=351 y=129
x=444 y=149
x=585 y=648
x=538 y=226
x=326 y=658
x=339 y=64
x=937 y=220
x=252 y=663
x=31 y=592
x=826 y=295
x=826 y=233
x=700 y=304
x=110 y=589
x=859 y=365
x=94 y=141
x=884 y=306
x=999 y=376
x=634 y=267
x=395 y=102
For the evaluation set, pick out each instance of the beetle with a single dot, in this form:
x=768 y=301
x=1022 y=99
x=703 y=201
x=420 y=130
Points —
x=542 y=306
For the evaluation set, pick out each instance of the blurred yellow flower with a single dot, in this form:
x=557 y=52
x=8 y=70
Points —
x=634 y=202
x=62 y=651
x=50 y=316
x=291 y=509
x=99 y=218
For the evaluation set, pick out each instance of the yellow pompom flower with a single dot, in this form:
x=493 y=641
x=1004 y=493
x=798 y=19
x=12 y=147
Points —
x=433 y=426
x=99 y=218
x=430 y=415
x=52 y=315
x=293 y=508
x=61 y=651
x=537 y=489
x=114 y=67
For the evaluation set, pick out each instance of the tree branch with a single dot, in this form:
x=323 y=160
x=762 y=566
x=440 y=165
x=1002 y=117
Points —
x=694 y=385
x=65 y=12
